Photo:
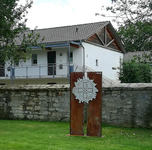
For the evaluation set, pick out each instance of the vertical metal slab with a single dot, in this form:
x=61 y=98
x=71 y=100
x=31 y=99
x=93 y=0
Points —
x=76 y=108
x=94 y=107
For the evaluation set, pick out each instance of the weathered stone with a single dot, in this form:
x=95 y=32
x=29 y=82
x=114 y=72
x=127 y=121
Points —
x=37 y=108
x=125 y=104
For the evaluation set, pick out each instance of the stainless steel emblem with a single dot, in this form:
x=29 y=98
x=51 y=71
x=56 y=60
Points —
x=85 y=90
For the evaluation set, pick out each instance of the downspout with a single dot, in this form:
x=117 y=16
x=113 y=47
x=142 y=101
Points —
x=84 y=70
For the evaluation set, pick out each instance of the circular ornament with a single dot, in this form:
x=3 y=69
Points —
x=85 y=90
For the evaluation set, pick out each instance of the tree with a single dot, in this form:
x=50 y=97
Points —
x=128 y=11
x=15 y=38
x=135 y=23
x=136 y=36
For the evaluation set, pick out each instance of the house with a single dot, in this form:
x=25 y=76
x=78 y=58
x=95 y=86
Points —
x=92 y=46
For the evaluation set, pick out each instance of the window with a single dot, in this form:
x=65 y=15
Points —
x=60 y=66
x=34 y=59
x=97 y=63
x=71 y=57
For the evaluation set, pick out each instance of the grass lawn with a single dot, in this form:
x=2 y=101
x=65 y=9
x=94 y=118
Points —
x=34 y=135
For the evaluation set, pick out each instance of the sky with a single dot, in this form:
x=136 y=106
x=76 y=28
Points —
x=54 y=13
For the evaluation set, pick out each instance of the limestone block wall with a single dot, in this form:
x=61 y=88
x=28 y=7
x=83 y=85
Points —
x=35 y=103
x=128 y=105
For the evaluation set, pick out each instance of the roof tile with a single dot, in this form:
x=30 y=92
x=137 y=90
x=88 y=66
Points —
x=70 y=33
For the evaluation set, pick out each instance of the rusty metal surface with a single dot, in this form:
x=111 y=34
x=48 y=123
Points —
x=94 y=108
x=76 y=108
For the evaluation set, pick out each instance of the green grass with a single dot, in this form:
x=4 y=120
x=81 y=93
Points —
x=34 y=135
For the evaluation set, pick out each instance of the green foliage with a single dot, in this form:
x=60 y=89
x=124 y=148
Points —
x=134 y=19
x=34 y=135
x=131 y=11
x=135 y=72
x=15 y=37
x=137 y=36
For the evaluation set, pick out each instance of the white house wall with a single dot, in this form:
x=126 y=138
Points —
x=77 y=59
x=107 y=60
x=61 y=59
x=26 y=69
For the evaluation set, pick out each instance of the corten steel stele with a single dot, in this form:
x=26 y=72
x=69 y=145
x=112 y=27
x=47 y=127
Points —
x=94 y=108
x=76 y=108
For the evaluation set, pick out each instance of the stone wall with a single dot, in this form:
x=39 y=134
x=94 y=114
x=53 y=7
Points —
x=35 y=103
x=128 y=105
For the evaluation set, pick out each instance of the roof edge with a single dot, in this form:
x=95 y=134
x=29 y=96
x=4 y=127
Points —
x=117 y=37
x=106 y=23
x=70 y=25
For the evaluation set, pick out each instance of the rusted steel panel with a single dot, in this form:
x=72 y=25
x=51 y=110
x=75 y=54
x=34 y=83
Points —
x=94 y=107
x=76 y=108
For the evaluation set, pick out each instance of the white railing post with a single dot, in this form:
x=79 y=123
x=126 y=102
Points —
x=39 y=71
x=26 y=72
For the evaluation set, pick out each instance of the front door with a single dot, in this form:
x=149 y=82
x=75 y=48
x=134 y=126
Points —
x=51 y=57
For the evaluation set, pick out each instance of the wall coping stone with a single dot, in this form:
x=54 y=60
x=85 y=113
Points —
x=129 y=86
x=115 y=87
x=36 y=87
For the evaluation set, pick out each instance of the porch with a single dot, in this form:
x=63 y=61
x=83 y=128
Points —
x=54 y=61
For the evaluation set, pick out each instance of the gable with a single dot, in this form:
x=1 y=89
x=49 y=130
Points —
x=106 y=37
x=95 y=39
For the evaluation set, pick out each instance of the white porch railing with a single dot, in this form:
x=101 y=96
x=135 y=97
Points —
x=46 y=71
x=36 y=71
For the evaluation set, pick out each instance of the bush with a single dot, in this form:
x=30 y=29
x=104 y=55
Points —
x=134 y=72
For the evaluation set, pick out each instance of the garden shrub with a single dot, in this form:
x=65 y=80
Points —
x=135 y=72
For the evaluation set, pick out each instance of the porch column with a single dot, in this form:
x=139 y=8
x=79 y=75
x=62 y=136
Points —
x=69 y=50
